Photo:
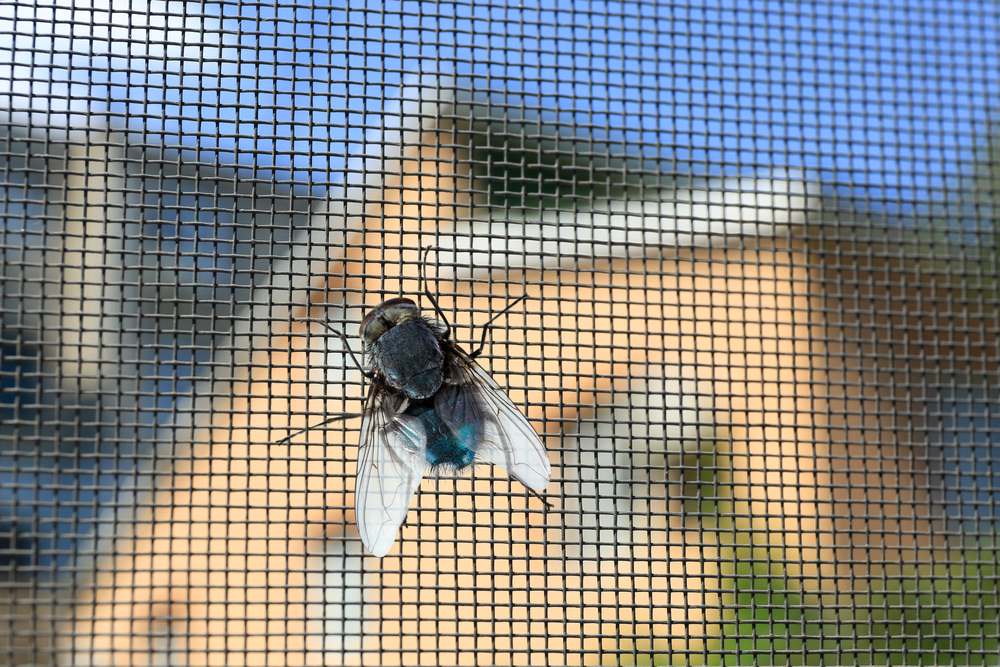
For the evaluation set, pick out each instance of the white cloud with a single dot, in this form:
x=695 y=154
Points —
x=56 y=54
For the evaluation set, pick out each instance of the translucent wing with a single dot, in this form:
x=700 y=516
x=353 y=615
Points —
x=508 y=440
x=391 y=463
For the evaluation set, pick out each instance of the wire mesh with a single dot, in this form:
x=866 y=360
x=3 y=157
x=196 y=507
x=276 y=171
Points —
x=757 y=247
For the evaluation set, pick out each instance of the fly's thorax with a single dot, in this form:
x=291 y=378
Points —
x=410 y=358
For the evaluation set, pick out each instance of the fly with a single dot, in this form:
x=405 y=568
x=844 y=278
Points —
x=430 y=407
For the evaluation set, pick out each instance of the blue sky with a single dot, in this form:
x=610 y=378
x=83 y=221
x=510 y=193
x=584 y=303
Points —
x=893 y=97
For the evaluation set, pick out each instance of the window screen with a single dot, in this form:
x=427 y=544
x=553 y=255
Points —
x=735 y=263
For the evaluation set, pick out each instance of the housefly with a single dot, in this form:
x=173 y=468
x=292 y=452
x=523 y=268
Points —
x=430 y=407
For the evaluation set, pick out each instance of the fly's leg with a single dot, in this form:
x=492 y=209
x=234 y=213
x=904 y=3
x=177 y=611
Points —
x=489 y=325
x=536 y=494
x=430 y=297
x=288 y=438
x=368 y=374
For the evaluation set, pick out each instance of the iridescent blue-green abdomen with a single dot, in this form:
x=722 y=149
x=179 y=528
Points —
x=445 y=445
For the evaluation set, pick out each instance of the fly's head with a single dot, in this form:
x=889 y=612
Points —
x=387 y=315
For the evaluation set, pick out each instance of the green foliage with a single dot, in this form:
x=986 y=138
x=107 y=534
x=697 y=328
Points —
x=923 y=614
x=927 y=613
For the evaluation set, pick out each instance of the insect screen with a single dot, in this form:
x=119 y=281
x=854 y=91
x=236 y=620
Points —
x=708 y=290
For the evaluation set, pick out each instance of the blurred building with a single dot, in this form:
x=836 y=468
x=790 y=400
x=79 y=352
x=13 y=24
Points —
x=143 y=290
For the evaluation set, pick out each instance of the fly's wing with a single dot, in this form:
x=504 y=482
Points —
x=470 y=398
x=391 y=463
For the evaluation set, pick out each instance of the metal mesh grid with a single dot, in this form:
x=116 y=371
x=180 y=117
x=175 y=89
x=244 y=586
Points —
x=759 y=340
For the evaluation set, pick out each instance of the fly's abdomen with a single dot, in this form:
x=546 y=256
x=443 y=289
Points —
x=446 y=446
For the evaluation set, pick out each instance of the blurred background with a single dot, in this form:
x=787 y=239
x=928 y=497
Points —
x=760 y=250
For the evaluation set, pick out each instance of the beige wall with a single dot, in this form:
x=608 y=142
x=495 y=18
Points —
x=218 y=571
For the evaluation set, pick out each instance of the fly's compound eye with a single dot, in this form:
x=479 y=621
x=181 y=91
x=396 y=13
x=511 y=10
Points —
x=387 y=315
